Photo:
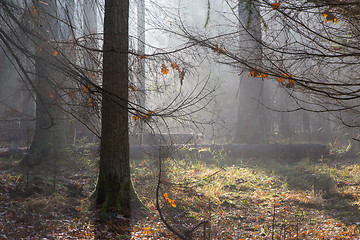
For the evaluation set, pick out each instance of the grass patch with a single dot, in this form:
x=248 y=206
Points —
x=266 y=199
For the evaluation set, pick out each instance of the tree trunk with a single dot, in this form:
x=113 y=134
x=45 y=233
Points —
x=251 y=120
x=141 y=49
x=306 y=125
x=49 y=138
x=90 y=30
x=141 y=97
x=114 y=184
x=27 y=125
x=285 y=126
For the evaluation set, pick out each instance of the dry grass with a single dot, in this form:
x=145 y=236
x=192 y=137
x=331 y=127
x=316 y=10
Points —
x=248 y=199
x=264 y=199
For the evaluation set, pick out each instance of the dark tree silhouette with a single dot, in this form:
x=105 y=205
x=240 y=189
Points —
x=114 y=183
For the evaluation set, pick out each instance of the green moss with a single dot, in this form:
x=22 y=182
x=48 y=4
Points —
x=109 y=197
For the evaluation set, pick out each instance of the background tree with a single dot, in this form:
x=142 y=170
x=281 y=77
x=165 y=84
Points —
x=141 y=86
x=250 y=127
x=308 y=48
x=49 y=136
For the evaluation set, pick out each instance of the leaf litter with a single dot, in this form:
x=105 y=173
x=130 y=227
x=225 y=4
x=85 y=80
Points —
x=248 y=199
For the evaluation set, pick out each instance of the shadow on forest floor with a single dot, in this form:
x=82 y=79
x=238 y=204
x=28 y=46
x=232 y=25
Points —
x=30 y=208
x=333 y=185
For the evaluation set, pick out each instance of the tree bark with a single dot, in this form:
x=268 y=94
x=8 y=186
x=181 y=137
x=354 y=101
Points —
x=114 y=186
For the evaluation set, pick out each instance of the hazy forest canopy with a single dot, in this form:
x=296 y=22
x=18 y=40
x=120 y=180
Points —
x=207 y=119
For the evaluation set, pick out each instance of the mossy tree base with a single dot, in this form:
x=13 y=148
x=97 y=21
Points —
x=118 y=196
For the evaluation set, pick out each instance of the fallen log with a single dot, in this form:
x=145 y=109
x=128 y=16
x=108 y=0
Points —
x=12 y=152
x=275 y=151
x=164 y=138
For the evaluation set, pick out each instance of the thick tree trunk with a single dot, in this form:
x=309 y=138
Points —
x=114 y=184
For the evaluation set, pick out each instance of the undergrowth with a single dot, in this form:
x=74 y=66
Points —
x=207 y=199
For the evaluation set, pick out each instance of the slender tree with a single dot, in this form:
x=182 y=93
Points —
x=250 y=123
x=141 y=49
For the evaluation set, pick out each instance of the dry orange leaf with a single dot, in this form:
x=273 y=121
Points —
x=90 y=102
x=218 y=50
x=263 y=76
x=54 y=53
x=175 y=66
x=147 y=115
x=257 y=73
x=135 y=117
x=288 y=75
x=172 y=203
x=290 y=84
x=85 y=89
x=166 y=196
x=329 y=16
x=33 y=11
x=164 y=69
x=276 y=5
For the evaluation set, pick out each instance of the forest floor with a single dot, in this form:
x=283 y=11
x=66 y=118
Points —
x=213 y=198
